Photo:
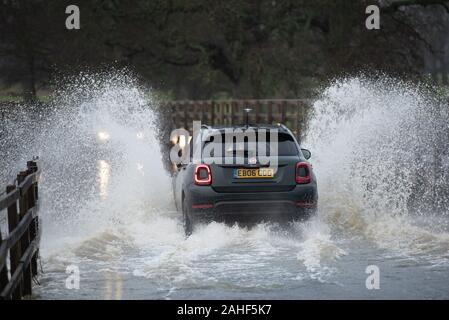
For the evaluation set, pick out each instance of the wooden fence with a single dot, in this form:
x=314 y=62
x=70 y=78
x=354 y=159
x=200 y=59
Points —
x=22 y=242
x=291 y=112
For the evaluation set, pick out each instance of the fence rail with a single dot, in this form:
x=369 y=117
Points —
x=291 y=112
x=22 y=242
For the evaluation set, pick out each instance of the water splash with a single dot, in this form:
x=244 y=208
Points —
x=381 y=161
x=99 y=153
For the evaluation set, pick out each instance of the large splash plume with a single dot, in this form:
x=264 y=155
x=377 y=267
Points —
x=97 y=142
x=382 y=161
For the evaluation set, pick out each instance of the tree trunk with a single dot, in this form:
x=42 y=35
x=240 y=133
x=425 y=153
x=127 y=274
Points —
x=29 y=86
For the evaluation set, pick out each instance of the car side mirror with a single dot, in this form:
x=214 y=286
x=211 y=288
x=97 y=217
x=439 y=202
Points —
x=307 y=154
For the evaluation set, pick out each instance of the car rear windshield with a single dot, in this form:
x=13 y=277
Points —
x=286 y=145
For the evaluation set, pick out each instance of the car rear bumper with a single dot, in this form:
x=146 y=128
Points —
x=205 y=203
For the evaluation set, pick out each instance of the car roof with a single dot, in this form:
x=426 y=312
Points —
x=256 y=127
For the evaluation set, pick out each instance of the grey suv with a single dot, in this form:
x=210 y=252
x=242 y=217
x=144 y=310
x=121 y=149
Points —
x=244 y=189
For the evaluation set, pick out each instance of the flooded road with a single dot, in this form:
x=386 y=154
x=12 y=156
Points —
x=232 y=263
x=108 y=207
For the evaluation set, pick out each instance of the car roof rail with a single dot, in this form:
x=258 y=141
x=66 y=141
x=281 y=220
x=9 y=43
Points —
x=283 y=126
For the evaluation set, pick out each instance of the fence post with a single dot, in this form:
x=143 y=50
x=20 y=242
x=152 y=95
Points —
x=212 y=112
x=257 y=111
x=4 y=271
x=270 y=112
x=231 y=112
x=203 y=114
x=221 y=112
x=32 y=168
x=283 y=110
x=16 y=251
x=295 y=118
x=25 y=241
x=193 y=114
x=186 y=120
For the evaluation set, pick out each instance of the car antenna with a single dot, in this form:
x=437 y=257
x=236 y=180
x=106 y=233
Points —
x=247 y=111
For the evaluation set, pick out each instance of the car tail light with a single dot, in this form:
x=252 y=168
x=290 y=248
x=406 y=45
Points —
x=303 y=173
x=202 y=206
x=202 y=175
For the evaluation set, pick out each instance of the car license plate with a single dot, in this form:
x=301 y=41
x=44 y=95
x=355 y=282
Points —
x=253 y=173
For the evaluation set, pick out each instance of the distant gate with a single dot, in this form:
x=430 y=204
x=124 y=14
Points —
x=291 y=112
